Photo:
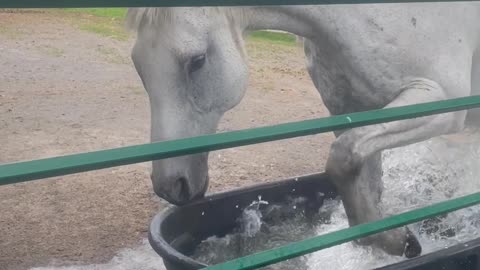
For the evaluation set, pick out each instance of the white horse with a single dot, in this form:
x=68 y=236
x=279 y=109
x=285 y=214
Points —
x=193 y=65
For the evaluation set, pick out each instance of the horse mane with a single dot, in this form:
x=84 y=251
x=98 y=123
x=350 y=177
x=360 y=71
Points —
x=138 y=17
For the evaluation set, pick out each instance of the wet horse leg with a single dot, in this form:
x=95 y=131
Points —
x=361 y=195
x=355 y=165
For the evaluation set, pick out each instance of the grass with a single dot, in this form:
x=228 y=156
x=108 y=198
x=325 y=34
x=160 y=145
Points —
x=114 y=27
x=273 y=37
x=115 y=13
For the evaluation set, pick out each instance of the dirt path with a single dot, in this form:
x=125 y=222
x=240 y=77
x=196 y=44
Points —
x=64 y=90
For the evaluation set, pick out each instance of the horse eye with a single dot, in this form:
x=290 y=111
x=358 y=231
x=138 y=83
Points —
x=196 y=63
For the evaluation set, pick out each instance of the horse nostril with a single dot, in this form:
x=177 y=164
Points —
x=184 y=192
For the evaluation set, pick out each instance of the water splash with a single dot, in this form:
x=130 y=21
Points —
x=251 y=219
x=262 y=225
x=415 y=176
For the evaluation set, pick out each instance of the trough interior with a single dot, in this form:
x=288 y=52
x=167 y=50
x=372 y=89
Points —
x=217 y=215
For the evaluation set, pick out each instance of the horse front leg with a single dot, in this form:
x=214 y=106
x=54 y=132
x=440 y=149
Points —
x=354 y=162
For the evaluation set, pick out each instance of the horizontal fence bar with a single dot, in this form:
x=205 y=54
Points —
x=189 y=3
x=63 y=165
x=310 y=245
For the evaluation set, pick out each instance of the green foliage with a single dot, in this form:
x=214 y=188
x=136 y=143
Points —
x=116 y=13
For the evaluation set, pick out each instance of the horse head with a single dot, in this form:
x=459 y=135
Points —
x=192 y=64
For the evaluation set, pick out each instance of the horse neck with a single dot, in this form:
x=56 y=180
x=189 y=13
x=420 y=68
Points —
x=299 y=20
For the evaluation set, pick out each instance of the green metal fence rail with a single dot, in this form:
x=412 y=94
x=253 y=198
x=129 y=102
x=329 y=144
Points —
x=43 y=168
x=188 y=3
x=57 y=166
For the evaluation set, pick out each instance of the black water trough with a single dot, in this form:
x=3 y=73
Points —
x=176 y=231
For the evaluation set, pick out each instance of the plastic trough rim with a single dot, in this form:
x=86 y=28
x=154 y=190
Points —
x=162 y=247
x=167 y=252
